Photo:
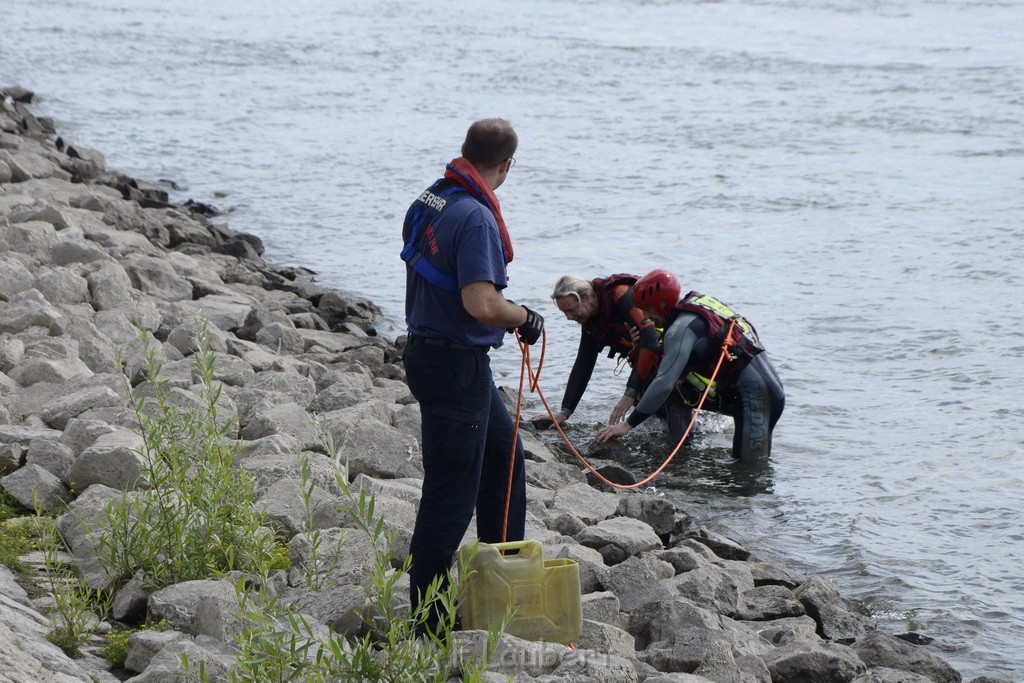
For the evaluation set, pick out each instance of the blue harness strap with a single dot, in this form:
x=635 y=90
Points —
x=422 y=213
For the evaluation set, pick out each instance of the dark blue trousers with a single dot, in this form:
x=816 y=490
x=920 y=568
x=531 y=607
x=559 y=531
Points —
x=467 y=438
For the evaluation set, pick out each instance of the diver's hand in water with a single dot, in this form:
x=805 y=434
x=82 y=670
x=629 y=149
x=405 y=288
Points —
x=613 y=432
x=543 y=421
x=620 y=410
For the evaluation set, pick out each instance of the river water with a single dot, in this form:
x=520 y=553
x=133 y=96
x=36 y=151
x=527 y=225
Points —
x=849 y=174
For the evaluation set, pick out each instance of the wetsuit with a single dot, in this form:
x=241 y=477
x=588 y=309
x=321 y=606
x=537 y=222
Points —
x=753 y=397
x=610 y=327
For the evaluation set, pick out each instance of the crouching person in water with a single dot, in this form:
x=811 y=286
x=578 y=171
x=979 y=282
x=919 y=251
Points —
x=746 y=388
x=605 y=310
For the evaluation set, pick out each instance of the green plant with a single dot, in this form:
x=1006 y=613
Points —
x=16 y=539
x=10 y=507
x=115 y=646
x=280 y=645
x=319 y=564
x=77 y=608
x=279 y=557
x=196 y=518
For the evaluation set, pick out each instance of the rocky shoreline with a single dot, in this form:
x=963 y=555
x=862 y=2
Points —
x=88 y=253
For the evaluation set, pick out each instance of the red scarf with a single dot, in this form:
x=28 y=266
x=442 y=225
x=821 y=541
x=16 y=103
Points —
x=465 y=174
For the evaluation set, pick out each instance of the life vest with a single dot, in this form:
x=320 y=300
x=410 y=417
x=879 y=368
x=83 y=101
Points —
x=743 y=340
x=419 y=222
x=603 y=325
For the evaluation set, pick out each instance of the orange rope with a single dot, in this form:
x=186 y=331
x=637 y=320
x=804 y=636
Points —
x=535 y=386
x=524 y=348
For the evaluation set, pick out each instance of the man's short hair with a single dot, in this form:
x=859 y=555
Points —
x=489 y=142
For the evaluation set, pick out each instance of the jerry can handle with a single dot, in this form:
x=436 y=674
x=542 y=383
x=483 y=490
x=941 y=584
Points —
x=527 y=548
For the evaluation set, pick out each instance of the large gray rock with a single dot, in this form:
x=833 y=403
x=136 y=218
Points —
x=289 y=506
x=281 y=338
x=765 y=603
x=714 y=587
x=94 y=348
x=151 y=275
x=284 y=418
x=49 y=370
x=70 y=405
x=268 y=465
x=586 y=502
x=403 y=489
x=182 y=605
x=297 y=388
x=341 y=606
x=593 y=571
x=639 y=581
x=11 y=455
x=14 y=277
x=35 y=488
x=656 y=512
x=167 y=666
x=62 y=286
x=822 y=662
x=24 y=434
x=723 y=662
x=25 y=654
x=80 y=433
x=625 y=535
x=884 y=675
x=878 y=649
x=12 y=351
x=144 y=645
x=839 y=619
x=109 y=286
x=332 y=557
x=605 y=638
x=25 y=164
x=113 y=460
x=344 y=391
x=27 y=309
x=379 y=450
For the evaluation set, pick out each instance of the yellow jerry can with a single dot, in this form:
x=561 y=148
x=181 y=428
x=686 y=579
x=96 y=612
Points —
x=542 y=595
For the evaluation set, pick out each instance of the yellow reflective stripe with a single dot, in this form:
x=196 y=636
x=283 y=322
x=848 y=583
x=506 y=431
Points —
x=701 y=382
x=714 y=304
x=720 y=308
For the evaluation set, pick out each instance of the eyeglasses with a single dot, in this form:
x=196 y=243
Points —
x=511 y=162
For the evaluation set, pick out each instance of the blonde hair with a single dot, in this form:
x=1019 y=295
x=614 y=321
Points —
x=573 y=285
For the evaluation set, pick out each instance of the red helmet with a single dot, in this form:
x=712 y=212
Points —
x=659 y=289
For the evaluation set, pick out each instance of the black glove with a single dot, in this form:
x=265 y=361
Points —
x=529 y=332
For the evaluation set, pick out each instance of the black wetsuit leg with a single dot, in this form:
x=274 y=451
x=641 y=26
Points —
x=678 y=415
x=760 y=402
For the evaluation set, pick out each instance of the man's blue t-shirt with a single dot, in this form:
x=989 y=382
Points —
x=463 y=241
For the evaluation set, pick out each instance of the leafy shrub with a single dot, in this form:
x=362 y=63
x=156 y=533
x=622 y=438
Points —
x=280 y=645
x=196 y=518
x=77 y=608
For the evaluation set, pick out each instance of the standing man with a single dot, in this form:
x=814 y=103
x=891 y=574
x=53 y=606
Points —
x=456 y=251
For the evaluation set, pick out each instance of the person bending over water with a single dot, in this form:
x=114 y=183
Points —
x=606 y=313
x=747 y=388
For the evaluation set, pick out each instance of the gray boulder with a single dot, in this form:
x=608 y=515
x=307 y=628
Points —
x=878 y=649
x=113 y=460
x=35 y=488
